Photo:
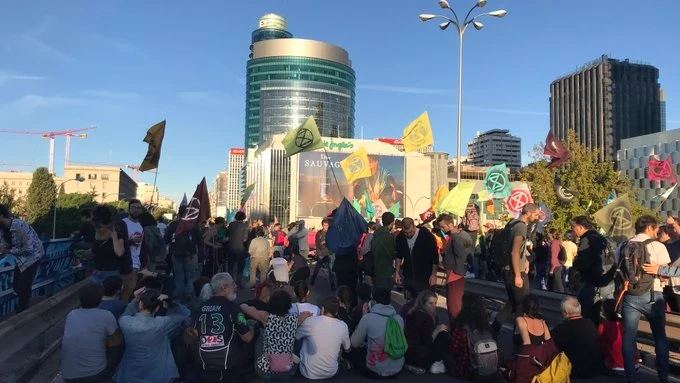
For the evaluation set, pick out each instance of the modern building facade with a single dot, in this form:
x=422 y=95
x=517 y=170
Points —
x=633 y=157
x=662 y=100
x=606 y=101
x=304 y=186
x=234 y=172
x=108 y=183
x=147 y=193
x=218 y=195
x=495 y=147
x=290 y=79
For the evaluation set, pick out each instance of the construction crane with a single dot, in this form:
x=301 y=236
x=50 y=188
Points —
x=134 y=168
x=51 y=135
x=14 y=165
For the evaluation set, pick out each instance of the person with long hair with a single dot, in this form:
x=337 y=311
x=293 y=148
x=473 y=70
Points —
x=108 y=248
x=532 y=328
x=473 y=318
x=301 y=289
x=427 y=341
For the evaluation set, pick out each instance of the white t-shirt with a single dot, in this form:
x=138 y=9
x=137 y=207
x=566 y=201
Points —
x=280 y=267
x=302 y=307
x=323 y=339
x=658 y=255
x=135 y=237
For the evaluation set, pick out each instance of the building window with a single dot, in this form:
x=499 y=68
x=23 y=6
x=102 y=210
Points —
x=77 y=175
x=91 y=176
x=105 y=177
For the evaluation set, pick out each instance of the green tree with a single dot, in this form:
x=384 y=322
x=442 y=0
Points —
x=8 y=196
x=40 y=196
x=68 y=212
x=591 y=181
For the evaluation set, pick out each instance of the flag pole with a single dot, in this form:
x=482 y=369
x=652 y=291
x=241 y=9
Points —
x=333 y=171
x=153 y=190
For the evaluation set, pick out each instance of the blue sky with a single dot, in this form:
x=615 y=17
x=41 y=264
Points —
x=125 y=65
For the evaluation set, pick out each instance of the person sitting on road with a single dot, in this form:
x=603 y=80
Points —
x=111 y=300
x=364 y=303
x=427 y=341
x=88 y=332
x=368 y=340
x=410 y=295
x=275 y=359
x=323 y=338
x=194 y=305
x=473 y=318
x=578 y=338
x=263 y=292
x=532 y=328
x=302 y=292
x=148 y=356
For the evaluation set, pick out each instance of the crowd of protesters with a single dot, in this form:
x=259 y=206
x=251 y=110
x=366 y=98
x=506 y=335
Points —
x=162 y=307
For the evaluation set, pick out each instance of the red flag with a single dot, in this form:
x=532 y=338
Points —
x=198 y=209
x=661 y=170
x=556 y=150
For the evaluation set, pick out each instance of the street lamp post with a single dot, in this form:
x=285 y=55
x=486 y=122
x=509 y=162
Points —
x=54 y=215
x=413 y=205
x=461 y=27
x=110 y=194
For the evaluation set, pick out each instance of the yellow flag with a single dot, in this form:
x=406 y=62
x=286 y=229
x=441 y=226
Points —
x=457 y=199
x=418 y=134
x=355 y=166
x=439 y=194
x=154 y=137
x=304 y=138
x=483 y=196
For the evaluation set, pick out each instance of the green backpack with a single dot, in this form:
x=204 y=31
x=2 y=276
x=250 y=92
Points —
x=395 y=340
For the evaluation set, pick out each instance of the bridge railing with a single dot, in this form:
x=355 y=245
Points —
x=57 y=270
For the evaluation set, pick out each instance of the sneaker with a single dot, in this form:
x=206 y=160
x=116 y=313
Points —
x=437 y=368
x=415 y=370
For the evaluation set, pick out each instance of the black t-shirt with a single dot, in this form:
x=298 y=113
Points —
x=219 y=324
x=579 y=339
x=87 y=231
x=258 y=304
x=519 y=229
x=105 y=258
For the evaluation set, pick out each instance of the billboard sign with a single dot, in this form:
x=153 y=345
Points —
x=318 y=195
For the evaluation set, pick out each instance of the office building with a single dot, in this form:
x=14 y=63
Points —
x=633 y=157
x=147 y=193
x=662 y=100
x=107 y=183
x=19 y=182
x=495 y=147
x=218 y=195
x=289 y=79
x=304 y=186
x=234 y=173
x=166 y=203
x=440 y=174
x=606 y=101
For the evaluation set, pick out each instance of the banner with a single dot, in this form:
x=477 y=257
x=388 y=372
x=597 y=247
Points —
x=355 y=166
x=154 y=137
x=439 y=194
x=517 y=199
x=496 y=182
x=318 y=194
x=304 y=138
x=418 y=134
x=661 y=170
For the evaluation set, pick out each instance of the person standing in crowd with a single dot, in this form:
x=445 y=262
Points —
x=556 y=268
x=148 y=356
x=162 y=226
x=417 y=252
x=88 y=332
x=259 y=251
x=134 y=236
x=594 y=262
x=427 y=341
x=220 y=335
x=570 y=251
x=24 y=244
x=279 y=238
x=515 y=273
x=86 y=231
x=324 y=257
x=298 y=238
x=645 y=298
x=579 y=339
x=183 y=249
x=237 y=236
x=458 y=248
x=384 y=252
x=153 y=242
x=108 y=249
x=323 y=338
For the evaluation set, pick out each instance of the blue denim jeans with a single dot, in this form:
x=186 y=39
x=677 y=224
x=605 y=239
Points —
x=633 y=307
x=99 y=277
x=591 y=298
x=186 y=272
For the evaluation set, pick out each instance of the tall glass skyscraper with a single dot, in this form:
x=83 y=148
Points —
x=290 y=79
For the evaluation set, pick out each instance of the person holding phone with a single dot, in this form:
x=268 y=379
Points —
x=108 y=249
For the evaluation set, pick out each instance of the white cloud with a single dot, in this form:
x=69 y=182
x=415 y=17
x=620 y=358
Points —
x=113 y=95
x=33 y=40
x=6 y=77
x=404 y=89
x=29 y=103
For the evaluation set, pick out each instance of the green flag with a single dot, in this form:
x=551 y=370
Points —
x=246 y=194
x=304 y=138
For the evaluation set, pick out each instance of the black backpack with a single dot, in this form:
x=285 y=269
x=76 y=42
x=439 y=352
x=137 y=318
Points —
x=632 y=278
x=502 y=245
x=183 y=245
